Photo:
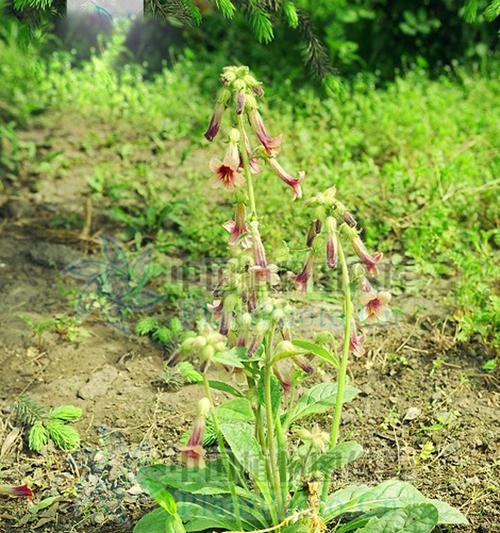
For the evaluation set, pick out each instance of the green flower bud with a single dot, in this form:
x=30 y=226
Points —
x=204 y=407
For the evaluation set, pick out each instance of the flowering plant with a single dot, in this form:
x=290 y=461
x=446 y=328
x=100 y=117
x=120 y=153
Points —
x=274 y=471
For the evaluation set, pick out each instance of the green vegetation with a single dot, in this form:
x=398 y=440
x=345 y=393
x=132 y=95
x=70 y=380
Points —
x=417 y=160
x=45 y=425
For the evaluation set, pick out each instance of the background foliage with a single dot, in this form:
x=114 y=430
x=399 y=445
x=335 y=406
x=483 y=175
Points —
x=411 y=144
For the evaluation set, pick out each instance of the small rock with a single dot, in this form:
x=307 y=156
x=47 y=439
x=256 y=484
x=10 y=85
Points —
x=135 y=490
x=121 y=423
x=412 y=413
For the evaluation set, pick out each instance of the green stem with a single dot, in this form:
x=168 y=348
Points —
x=223 y=452
x=271 y=443
x=246 y=168
x=341 y=376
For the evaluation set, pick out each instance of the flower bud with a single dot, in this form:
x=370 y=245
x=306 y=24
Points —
x=286 y=346
x=331 y=242
x=199 y=342
x=246 y=320
x=207 y=352
x=234 y=135
x=239 y=85
x=240 y=102
x=204 y=407
x=16 y=491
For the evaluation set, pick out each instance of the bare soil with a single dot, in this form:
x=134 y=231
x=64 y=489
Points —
x=427 y=413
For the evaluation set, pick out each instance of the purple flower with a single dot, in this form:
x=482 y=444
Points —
x=215 y=121
x=16 y=491
x=314 y=231
x=193 y=454
x=237 y=227
x=357 y=341
x=375 y=306
x=271 y=144
x=294 y=183
x=240 y=102
x=227 y=171
x=369 y=260
x=303 y=278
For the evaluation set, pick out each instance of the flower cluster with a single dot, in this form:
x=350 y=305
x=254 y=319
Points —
x=239 y=97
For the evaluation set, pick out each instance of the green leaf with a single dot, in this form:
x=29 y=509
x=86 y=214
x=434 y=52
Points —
x=153 y=522
x=390 y=494
x=229 y=358
x=317 y=350
x=227 y=8
x=247 y=451
x=275 y=393
x=188 y=372
x=69 y=413
x=261 y=25
x=38 y=437
x=337 y=457
x=448 y=514
x=206 y=481
x=43 y=504
x=196 y=510
x=64 y=436
x=419 y=518
x=224 y=387
x=291 y=14
x=156 y=489
x=146 y=325
x=199 y=518
x=159 y=521
x=317 y=399
x=237 y=410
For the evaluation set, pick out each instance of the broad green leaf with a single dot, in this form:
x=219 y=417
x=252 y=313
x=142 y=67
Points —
x=391 y=494
x=209 y=480
x=238 y=409
x=229 y=358
x=199 y=518
x=337 y=457
x=156 y=489
x=447 y=513
x=196 y=509
x=275 y=393
x=224 y=387
x=418 y=518
x=247 y=451
x=317 y=350
x=153 y=522
x=317 y=399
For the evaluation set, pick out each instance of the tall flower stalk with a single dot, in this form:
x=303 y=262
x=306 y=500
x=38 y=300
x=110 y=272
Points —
x=276 y=472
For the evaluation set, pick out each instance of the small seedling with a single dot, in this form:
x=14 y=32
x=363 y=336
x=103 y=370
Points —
x=167 y=336
x=66 y=327
x=44 y=425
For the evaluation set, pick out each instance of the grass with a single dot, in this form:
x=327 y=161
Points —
x=417 y=158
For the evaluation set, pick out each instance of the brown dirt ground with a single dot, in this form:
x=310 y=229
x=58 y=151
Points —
x=427 y=412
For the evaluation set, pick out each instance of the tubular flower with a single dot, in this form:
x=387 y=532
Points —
x=216 y=119
x=16 y=491
x=240 y=102
x=331 y=242
x=369 y=260
x=303 y=278
x=271 y=144
x=237 y=227
x=294 y=183
x=284 y=375
x=267 y=273
x=227 y=312
x=375 y=306
x=193 y=454
x=227 y=171
x=357 y=341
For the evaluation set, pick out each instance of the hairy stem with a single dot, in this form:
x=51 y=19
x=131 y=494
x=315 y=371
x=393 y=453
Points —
x=246 y=168
x=341 y=376
x=223 y=452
